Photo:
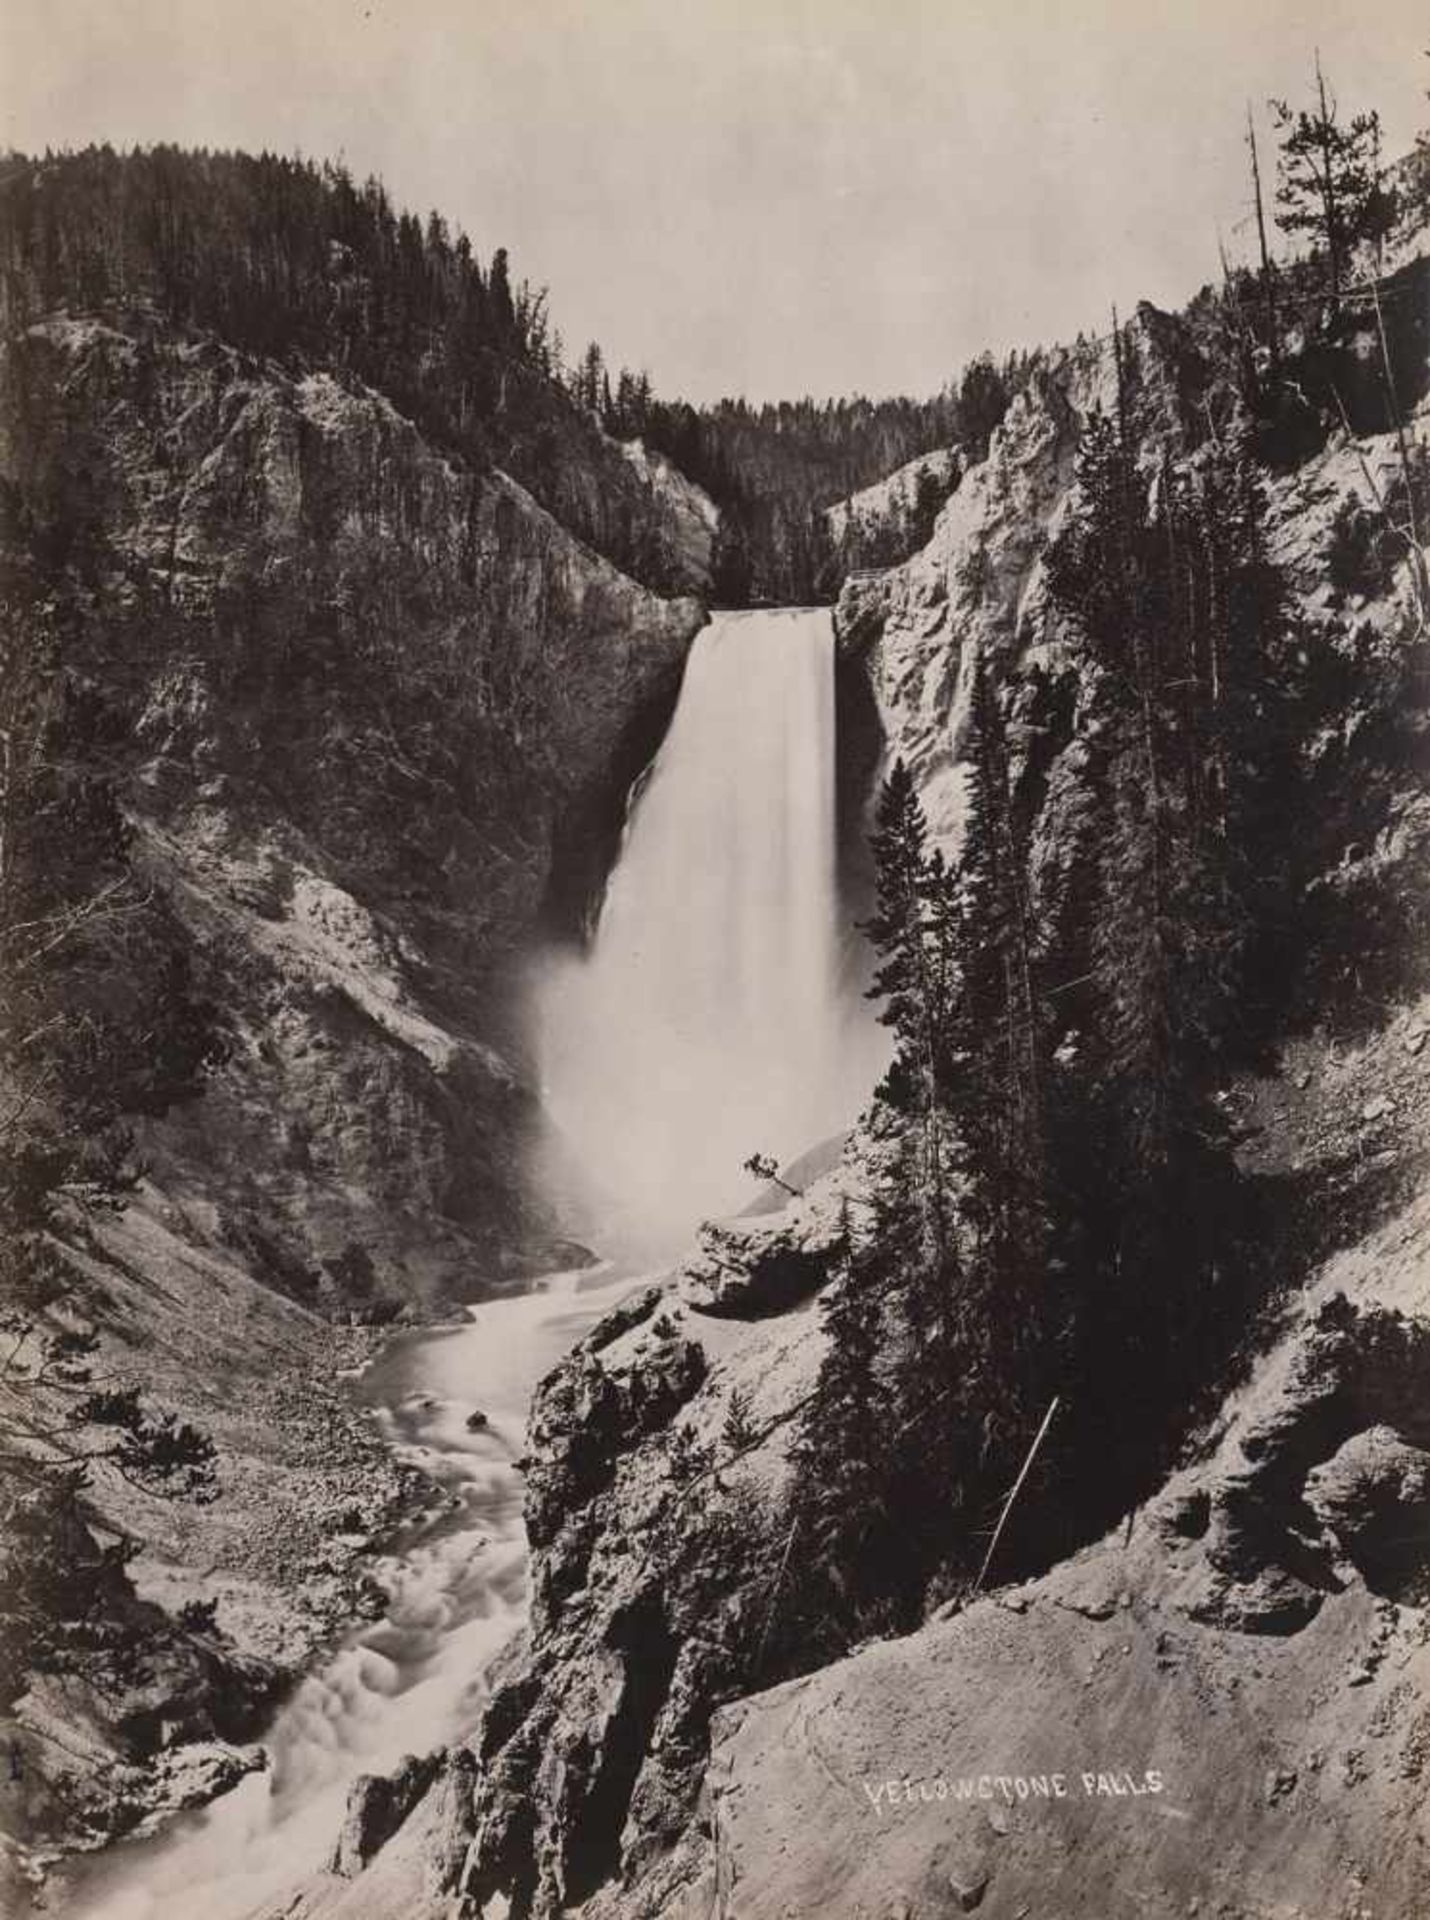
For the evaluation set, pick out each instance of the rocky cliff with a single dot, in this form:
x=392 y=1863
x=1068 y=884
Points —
x=1218 y=1708
x=372 y=718
x=689 y=520
x=1243 y=1656
x=884 y=524
x=375 y=706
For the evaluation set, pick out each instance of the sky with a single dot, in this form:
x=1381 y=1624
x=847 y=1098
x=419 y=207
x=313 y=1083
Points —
x=769 y=197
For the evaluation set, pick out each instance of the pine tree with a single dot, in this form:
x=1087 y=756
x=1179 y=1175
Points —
x=840 y=1456
x=1165 y=580
x=998 y=999
x=904 y=980
x=915 y=930
x=503 y=306
x=1331 y=183
x=1268 y=272
x=591 y=378
x=996 y=1078
x=959 y=1205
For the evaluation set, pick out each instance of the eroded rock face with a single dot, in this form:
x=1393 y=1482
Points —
x=978 y=590
x=589 y=1413
x=690 y=518
x=1373 y=1494
x=377 y=1806
x=149 y=1715
x=1321 y=1447
x=1229 y=1663
x=887 y=521
x=375 y=702
x=764 y=1274
x=366 y=706
x=652 y=1571
x=977 y=586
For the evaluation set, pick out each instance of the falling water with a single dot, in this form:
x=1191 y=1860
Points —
x=709 y=1020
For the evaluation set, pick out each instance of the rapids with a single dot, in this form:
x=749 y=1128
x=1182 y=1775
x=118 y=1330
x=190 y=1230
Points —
x=412 y=1680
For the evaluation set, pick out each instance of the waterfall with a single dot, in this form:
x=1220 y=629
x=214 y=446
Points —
x=709 y=1019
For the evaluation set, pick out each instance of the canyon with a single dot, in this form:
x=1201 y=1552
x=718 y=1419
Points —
x=388 y=737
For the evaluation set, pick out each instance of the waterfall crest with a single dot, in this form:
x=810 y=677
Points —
x=709 y=1019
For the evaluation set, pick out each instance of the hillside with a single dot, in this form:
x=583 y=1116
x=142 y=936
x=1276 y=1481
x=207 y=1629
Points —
x=1250 y=1552
x=304 y=266
x=882 y=525
x=316 y=627
x=369 y=719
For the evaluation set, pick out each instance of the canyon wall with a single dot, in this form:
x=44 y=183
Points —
x=373 y=705
x=375 y=718
x=371 y=718
x=1245 y=1638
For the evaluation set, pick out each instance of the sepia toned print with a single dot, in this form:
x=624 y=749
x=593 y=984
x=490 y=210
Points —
x=713 y=962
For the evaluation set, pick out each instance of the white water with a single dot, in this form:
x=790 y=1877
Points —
x=709 y=1020
x=415 y=1679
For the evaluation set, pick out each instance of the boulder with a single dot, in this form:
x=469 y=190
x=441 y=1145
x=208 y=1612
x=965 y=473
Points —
x=622 y=1317
x=377 y=1806
x=1374 y=1495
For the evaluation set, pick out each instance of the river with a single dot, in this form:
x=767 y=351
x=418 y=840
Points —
x=415 y=1679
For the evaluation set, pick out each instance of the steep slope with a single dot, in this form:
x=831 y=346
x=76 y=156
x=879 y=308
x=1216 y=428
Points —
x=1264 y=1561
x=688 y=522
x=1252 y=1641
x=1220 y=1707
x=883 y=524
x=369 y=695
x=372 y=719
x=295 y=262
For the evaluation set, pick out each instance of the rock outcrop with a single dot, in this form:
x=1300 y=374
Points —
x=883 y=524
x=978 y=589
x=647 y=1513
x=130 y=1714
x=1243 y=1659
x=377 y=1806
x=380 y=709
x=644 y=1513
x=1244 y=1656
x=689 y=519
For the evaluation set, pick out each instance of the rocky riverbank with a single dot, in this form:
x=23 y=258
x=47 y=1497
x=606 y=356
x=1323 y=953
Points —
x=225 y=1605
x=1273 y=1591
